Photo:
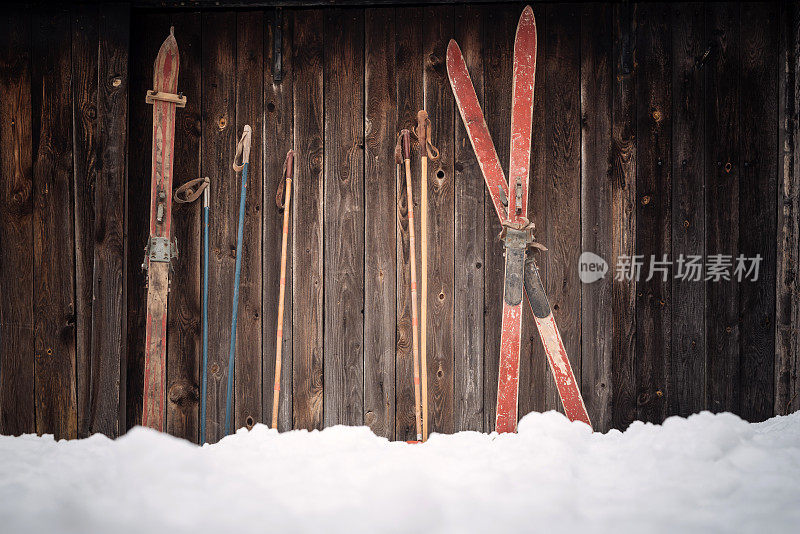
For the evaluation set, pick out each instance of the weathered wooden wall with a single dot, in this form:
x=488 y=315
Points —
x=658 y=129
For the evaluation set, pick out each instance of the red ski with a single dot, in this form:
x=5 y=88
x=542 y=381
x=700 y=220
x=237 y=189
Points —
x=160 y=250
x=510 y=202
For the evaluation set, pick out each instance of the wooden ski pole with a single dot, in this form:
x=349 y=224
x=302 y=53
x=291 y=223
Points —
x=404 y=141
x=288 y=172
x=427 y=150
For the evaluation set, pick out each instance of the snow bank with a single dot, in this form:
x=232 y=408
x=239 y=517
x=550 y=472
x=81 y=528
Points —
x=707 y=473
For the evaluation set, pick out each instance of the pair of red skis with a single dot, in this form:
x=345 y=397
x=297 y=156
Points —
x=510 y=199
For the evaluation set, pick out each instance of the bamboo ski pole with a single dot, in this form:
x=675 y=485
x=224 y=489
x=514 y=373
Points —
x=427 y=150
x=243 y=150
x=405 y=142
x=288 y=172
x=185 y=194
x=423 y=357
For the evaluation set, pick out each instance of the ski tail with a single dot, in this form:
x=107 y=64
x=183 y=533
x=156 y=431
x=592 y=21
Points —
x=568 y=388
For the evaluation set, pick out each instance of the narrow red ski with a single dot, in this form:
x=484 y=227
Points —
x=516 y=233
x=160 y=249
x=512 y=210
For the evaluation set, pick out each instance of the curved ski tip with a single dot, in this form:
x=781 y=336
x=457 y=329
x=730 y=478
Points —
x=453 y=53
x=452 y=47
x=527 y=17
x=170 y=45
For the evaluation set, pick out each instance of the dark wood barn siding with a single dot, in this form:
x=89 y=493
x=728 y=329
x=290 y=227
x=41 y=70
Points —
x=659 y=129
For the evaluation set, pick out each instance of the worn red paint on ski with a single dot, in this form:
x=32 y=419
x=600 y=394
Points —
x=165 y=79
x=521 y=125
x=477 y=131
x=574 y=407
x=522 y=113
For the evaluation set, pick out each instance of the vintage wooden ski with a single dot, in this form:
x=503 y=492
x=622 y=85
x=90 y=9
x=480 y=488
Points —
x=160 y=249
x=516 y=233
x=511 y=207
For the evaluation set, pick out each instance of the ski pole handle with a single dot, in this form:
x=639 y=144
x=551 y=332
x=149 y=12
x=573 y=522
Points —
x=288 y=173
x=289 y=165
x=243 y=149
x=423 y=133
x=422 y=127
x=405 y=137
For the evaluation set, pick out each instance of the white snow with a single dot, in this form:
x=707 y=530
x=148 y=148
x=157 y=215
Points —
x=707 y=473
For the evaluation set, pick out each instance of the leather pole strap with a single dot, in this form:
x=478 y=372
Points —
x=190 y=191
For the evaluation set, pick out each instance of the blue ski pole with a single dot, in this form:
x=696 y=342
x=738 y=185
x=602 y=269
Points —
x=189 y=192
x=243 y=150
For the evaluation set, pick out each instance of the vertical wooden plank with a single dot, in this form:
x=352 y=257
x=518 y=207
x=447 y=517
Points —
x=249 y=102
x=108 y=306
x=562 y=234
x=623 y=215
x=687 y=366
x=53 y=223
x=468 y=304
x=144 y=49
x=85 y=42
x=218 y=149
x=409 y=65
x=757 y=207
x=498 y=54
x=278 y=128
x=17 y=414
x=596 y=202
x=654 y=205
x=184 y=320
x=308 y=280
x=439 y=103
x=722 y=204
x=344 y=217
x=787 y=364
x=380 y=212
